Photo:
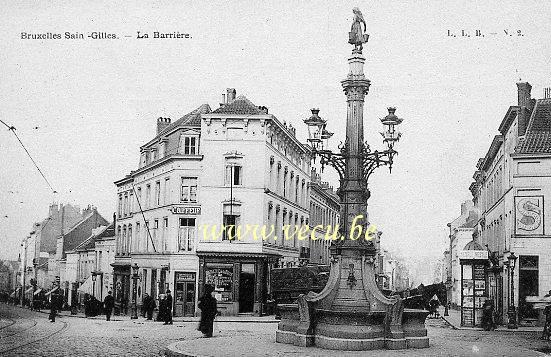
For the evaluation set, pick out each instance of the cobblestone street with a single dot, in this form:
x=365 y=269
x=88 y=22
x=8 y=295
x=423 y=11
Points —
x=28 y=333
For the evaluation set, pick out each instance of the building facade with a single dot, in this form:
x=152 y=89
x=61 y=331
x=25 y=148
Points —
x=187 y=216
x=324 y=212
x=158 y=209
x=511 y=188
x=256 y=173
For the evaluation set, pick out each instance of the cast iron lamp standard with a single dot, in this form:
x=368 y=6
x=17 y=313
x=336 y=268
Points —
x=135 y=278
x=351 y=313
x=511 y=311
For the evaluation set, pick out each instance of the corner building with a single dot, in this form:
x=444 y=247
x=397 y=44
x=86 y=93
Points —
x=236 y=165
x=159 y=205
x=255 y=172
x=511 y=189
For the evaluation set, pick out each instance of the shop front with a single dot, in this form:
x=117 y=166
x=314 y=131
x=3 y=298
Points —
x=474 y=283
x=121 y=288
x=240 y=280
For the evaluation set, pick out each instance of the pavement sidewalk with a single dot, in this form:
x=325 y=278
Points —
x=243 y=318
x=454 y=320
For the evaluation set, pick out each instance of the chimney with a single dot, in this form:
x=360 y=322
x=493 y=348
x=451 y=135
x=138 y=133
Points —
x=525 y=104
x=230 y=95
x=463 y=208
x=162 y=123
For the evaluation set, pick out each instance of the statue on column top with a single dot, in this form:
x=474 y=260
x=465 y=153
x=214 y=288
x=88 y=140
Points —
x=356 y=36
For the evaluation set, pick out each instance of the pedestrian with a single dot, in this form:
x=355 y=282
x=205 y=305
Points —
x=162 y=308
x=168 y=308
x=150 y=307
x=209 y=310
x=108 y=304
x=145 y=304
x=488 y=322
x=53 y=306
x=86 y=304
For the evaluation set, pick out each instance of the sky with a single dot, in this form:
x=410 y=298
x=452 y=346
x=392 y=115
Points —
x=83 y=107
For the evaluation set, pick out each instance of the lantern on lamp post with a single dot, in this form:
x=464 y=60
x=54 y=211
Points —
x=135 y=278
x=511 y=311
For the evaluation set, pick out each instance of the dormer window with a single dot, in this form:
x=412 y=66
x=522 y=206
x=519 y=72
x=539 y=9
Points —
x=189 y=144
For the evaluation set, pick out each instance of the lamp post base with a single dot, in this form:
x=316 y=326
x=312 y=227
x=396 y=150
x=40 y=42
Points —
x=512 y=318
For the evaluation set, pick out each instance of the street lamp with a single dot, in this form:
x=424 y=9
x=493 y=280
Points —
x=94 y=277
x=511 y=311
x=449 y=286
x=135 y=277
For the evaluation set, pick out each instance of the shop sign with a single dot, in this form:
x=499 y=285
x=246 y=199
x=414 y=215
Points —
x=186 y=210
x=185 y=276
x=529 y=215
x=473 y=254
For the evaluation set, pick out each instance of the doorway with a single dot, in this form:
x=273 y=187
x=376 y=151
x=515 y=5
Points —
x=184 y=301
x=246 y=288
x=528 y=285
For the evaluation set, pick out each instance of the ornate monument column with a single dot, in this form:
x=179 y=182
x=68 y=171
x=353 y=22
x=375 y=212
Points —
x=351 y=313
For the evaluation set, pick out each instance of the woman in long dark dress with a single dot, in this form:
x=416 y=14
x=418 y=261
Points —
x=209 y=309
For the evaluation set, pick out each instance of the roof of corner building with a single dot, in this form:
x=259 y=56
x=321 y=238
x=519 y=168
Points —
x=241 y=106
x=192 y=118
x=538 y=133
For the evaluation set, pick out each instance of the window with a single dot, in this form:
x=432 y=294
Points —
x=189 y=145
x=154 y=230
x=233 y=175
x=189 y=189
x=146 y=239
x=129 y=239
x=119 y=241
x=139 y=197
x=120 y=206
x=138 y=237
x=285 y=183
x=158 y=193
x=147 y=196
x=230 y=222
x=296 y=191
x=164 y=236
x=186 y=234
x=167 y=191
x=131 y=203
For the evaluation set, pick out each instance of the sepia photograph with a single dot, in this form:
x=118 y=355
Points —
x=267 y=178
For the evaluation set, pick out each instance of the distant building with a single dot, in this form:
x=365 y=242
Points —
x=512 y=190
x=8 y=276
x=69 y=242
x=88 y=267
x=461 y=233
x=324 y=212
x=38 y=250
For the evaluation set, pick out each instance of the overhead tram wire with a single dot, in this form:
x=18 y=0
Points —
x=144 y=220
x=12 y=129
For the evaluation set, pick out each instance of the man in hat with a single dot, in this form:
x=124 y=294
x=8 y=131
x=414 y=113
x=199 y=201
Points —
x=168 y=311
x=108 y=304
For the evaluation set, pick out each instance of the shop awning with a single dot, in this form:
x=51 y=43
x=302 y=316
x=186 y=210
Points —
x=51 y=291
x=29 y=290
x=87 y=286
x=12 y=295
x=37 y=291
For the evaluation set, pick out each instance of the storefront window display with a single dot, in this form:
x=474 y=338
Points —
x=221 y=277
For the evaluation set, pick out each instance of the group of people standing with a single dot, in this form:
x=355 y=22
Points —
x=165 y=307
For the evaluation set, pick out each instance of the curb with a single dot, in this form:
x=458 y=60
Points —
x=171 y=351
